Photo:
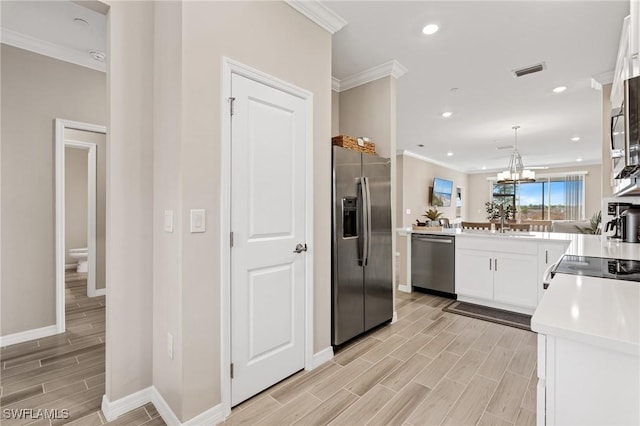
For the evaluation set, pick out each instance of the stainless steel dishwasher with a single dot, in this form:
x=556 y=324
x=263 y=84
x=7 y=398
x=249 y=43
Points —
x=433 y=263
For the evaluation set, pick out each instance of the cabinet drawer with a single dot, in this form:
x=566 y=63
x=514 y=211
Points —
x=496 y=243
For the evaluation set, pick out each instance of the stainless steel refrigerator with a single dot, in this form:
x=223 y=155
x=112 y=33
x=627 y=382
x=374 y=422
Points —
x=362 y=282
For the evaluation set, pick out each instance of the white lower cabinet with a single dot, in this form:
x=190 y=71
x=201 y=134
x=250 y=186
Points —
x=505 y=278
x=584 y=384
x=515 y=279
x=548 y=254
x=474 y=273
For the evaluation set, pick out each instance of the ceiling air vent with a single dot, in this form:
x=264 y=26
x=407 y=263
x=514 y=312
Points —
x=529 y=70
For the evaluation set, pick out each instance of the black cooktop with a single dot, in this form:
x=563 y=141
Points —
x=600 y=267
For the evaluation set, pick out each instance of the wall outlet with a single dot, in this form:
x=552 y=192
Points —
x=408 y=211
x=170 y=345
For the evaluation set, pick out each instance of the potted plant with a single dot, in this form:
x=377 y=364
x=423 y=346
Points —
x=433 y=215
x=594 y=225
x=493 y=211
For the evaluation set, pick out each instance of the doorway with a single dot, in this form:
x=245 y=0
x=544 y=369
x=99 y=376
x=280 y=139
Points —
x=91 y=139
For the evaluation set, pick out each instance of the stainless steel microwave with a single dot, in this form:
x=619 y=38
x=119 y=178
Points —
x=625 y=140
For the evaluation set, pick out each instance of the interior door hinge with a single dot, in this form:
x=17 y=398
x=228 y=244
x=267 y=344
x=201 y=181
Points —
x=231 y=239
x=231 y=102
x=231 y=370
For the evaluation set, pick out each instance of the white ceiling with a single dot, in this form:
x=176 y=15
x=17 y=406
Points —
x=477 y=47
x=48 y=28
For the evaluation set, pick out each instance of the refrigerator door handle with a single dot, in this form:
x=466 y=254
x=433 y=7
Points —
x=363 y=238
x=367 y=214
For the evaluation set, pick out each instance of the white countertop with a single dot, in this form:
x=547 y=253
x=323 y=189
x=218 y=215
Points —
x=592 y=310
x=579 y=244
x=597 y=311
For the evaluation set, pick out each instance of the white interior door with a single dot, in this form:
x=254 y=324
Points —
x=268 y=221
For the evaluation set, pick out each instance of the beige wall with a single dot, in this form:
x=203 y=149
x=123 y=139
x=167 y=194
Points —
x=257 y=34
x=129 y=199
x=369 y=110
x=75 y=200
x=100 y=140
x=167 y=255
x=335 y=113
x=480 y=191
x=35 y=90
x=414 y=179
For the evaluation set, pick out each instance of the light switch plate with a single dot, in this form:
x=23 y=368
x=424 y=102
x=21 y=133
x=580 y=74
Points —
x=168 y=220
x=198 y=220
x=408 y=211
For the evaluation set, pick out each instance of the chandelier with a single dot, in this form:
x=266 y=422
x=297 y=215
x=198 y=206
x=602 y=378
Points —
x=516 y=172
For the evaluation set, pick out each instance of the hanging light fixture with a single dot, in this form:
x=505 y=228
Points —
x=516 y=172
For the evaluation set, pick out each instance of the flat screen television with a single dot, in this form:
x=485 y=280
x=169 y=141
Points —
x=442 y=190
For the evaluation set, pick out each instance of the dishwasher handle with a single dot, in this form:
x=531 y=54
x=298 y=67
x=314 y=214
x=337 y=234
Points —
x=435 y=240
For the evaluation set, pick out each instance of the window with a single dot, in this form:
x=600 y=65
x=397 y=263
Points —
x=549 y=198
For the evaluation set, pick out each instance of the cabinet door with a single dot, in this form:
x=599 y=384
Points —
x=474 y=273
x=547 y=255
x=515 y=279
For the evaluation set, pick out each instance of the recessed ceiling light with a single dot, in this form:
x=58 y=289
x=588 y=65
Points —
x=449 y=154
x=579 y=159
x=575 y=138
x=484 y=167
x=430 y=29
x=421 y=145
x=559 y=89
x=447 y=114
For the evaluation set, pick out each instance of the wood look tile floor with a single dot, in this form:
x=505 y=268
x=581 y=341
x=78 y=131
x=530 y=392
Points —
x=429 y=368
x=65 y=371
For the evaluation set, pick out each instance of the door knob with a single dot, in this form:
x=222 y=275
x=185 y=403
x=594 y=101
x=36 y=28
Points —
x=300 y=248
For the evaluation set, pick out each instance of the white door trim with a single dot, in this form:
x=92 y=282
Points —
x=229 y=67
x=60 y=144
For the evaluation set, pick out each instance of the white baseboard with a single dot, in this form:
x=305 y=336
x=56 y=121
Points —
x=25 y=336
x=213 y=416
x=99 y=292
x=394 y=318
x=113 y=410
x=163 y=408
x=321 y=357
x=404 y=288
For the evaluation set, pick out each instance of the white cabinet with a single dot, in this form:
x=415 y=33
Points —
x=584 y=384
x=474 y=273
x=497 y=272
x=622 y=70
x=548 y=254
x=515 y=278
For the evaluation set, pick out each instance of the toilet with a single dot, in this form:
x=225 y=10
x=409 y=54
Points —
x=82 y=256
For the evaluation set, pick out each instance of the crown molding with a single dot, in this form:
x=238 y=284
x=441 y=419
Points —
x=599 y=80
x=392 y=68
x=335 y=84
x=46 y=48
x=404 y=152
x=319 y=13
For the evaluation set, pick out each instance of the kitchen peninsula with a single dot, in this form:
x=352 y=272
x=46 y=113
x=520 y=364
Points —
x=588 y=327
